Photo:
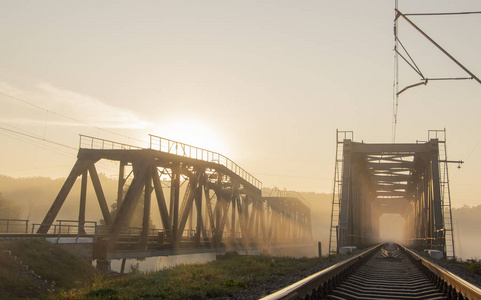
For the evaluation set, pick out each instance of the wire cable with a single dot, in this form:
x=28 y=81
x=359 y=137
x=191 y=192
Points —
x=414 y=66
x=67 y=117
x=37 y=138
x=36 y=144
x=445 y=14
x=104 y=165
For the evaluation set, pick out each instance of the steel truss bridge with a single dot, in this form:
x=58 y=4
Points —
x=206 y=202
x=406 y=179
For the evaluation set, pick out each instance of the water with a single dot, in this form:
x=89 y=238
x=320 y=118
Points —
x=156 y=263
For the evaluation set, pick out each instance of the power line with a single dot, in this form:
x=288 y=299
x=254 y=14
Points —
x=472 y=150
x=30 y=142
x=104 y=165
x=66 y=117
x=37 y=138
x=19 y=132
x=396 y=91
x=41 y=168
x=291 y=176
x=37 y=144
x=445 y=13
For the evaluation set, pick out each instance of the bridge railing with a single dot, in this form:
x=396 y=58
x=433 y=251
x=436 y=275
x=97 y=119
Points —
x=69 y=228
x=173 y=147
x=89 y=142
x=74 y=228
x=133 y=235
x=276 y=192
x=13 y=226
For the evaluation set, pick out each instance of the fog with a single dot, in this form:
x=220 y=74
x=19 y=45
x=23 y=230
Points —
x=391 y=228
x=30 y=198
x=467 y=234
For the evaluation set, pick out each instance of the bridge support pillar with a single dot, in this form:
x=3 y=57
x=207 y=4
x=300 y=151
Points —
x=103 y=265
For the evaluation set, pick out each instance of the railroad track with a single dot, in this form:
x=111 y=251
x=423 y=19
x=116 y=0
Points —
x=386 y=271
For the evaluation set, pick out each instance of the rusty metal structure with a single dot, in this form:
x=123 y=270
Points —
x=406 y=179
x=204 y=199
x=290 y=216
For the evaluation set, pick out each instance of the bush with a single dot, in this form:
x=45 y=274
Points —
x=104 y=293
x=474 y=266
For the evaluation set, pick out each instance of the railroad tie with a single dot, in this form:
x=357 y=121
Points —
x=385 y=277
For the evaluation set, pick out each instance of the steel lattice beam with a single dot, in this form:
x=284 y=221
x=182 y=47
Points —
x=390 y=178
x=205 y=203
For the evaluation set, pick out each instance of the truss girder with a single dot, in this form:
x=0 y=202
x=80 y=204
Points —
x=395 y=166
x=393 y=177
x=390 y=186
x=390 y=178
x=391 y=149
x=289 y=219
x=198 y=202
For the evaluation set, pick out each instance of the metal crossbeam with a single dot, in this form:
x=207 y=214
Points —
x=406 y=179
x=208 y=200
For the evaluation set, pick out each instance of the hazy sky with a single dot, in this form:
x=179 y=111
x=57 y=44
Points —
x=266 y=83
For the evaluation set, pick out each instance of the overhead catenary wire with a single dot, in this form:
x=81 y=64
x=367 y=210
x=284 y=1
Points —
x=36 y=137
x=445 y=13
x=291 y=176
x=27 y=137
x=66 y=117
x=22 y=133
x=413 y=65
x=34 y=143
x=400 y=14
x=104 y=164
x=30 y=136
x=40 y=168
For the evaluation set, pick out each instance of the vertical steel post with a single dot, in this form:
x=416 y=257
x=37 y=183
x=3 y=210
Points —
x=120 y=188
x=146 y=215
x=198 y=204
x=83 y=200
x=345 y=205
x=175 y=192
x=232 y=228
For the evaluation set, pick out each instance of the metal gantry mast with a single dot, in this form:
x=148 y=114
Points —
x=337 y=189
x=410 y=61
x=396 y=77
x=445 y=191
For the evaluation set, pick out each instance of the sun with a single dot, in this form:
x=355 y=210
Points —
x=192 y=131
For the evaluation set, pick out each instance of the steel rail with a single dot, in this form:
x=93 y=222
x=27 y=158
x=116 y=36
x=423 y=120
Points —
x=445 y=279
x=322 y=280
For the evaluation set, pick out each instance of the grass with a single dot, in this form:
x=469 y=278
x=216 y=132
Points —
x=472 y=265
x=196 y=281
x=75 y=279
x=16 y=283
x=54 y=264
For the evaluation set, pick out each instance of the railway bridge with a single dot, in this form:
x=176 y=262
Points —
x=208 y=203
x=406 y=179
x=205 y=201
